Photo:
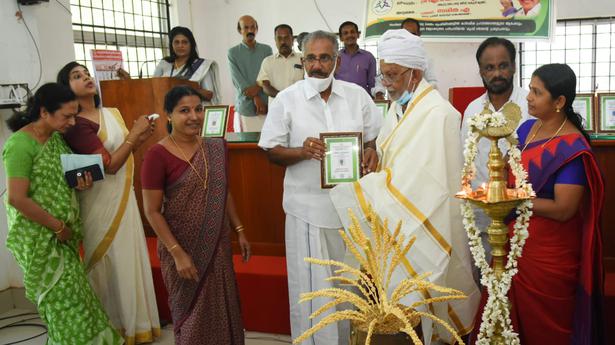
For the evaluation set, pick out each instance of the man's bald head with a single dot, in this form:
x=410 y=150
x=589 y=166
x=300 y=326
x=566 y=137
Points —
x=247 y=27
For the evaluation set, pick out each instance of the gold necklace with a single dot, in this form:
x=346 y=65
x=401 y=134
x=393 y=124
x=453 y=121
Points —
x=177 y=66
x=204 y=180
x=546 y=142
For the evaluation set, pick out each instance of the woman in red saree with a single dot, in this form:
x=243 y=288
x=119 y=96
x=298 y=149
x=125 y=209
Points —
x=186 y=200
x=556 y=296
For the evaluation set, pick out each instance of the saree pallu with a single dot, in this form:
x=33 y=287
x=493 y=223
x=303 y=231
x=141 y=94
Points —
x=206 y=311
x=116 y=255
x=54 y=277
x=557 y=294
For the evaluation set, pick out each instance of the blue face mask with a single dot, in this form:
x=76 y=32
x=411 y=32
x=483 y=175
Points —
x=407 y=95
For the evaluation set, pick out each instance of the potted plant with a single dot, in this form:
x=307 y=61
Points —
x=378 y=317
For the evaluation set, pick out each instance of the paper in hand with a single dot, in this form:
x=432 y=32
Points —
x=75 y=161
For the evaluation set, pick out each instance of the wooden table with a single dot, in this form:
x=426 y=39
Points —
x=605 y=155
x=257 y=187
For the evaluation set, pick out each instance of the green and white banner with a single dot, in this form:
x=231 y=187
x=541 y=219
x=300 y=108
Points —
x=464 y=19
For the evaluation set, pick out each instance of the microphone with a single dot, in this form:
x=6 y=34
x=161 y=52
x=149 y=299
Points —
x=141 y=67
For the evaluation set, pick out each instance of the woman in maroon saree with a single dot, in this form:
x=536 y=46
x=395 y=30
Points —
x=556 y=296
x=186 y=201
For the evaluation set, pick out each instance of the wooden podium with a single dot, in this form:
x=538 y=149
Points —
x=138 y=97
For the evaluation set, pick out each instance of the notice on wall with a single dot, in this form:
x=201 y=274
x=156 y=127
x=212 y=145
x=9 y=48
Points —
x=106 y=64
x=464 y=19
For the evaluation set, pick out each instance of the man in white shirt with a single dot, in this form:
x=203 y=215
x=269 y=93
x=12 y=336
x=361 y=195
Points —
x=282 y=69
x=290 y=135
x=529 y=8
x=496 y=63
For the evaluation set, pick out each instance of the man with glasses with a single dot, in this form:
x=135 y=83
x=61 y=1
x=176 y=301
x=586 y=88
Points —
x=297 y=116
x=416 y=181
x=496 y=64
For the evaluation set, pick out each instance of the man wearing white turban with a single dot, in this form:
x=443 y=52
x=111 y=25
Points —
x=417 y=176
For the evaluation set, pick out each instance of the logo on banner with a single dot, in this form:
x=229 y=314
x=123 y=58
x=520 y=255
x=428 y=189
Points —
x=382 y=6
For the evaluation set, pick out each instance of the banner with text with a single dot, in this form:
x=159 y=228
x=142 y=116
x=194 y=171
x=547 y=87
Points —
x=463 y=19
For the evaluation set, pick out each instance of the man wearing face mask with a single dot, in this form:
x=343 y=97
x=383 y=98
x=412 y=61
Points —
x=283 y=69
x=245 y=62
x=496 y=64
x=416 y=181
x=297 y=116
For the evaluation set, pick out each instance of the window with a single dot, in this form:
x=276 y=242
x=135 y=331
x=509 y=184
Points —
x=586 y=45
x=138 y=28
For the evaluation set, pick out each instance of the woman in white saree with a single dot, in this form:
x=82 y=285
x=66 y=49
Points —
x=116 y=257
x=184 y=63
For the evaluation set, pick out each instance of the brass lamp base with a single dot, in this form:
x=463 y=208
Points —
x=497 y=230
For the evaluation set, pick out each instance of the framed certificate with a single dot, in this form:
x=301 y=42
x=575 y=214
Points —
x=383 y=106
x=606 y=110
x=214 y=123
x=584 y=105
x=343 y=156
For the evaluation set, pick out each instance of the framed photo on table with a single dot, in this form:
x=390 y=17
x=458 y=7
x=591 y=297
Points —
x=383 y=106
x=214 y=123
x=606 y=112
x=343 y=156
x=584 y=104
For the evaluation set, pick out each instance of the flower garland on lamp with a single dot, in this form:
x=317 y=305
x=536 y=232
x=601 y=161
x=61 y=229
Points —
x=496 y=326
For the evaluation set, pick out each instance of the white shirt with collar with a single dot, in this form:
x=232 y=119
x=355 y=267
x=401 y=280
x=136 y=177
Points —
x=519 y=97
x=298 y=112
x=281 y=71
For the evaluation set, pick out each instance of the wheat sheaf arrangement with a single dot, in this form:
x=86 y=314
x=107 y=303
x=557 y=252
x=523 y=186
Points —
x=375 y=311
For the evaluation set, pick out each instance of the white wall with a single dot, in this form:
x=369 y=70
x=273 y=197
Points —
x=214 y=23
x=573 y=9
x=50 y=25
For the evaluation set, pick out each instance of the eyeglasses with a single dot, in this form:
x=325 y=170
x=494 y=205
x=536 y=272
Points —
x=323 y=59
x=390 y=79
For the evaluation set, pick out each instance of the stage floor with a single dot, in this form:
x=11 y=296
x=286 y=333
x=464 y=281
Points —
x=38 y=337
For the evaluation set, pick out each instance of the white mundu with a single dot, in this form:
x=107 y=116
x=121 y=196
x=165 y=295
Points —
x=312 y=224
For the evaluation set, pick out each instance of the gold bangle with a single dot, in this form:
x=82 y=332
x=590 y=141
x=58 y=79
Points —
x=59 y=231
x=129 y=143
x=170 y=250
x=239 y=228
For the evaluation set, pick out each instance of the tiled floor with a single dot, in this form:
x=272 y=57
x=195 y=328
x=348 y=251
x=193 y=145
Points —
x=24 y=326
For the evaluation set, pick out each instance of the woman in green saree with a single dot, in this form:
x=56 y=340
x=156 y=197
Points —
x=43 y=221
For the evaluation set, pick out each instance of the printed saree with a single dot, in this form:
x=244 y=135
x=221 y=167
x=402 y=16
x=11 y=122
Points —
x=54 y=276
x=206 y=311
